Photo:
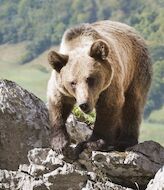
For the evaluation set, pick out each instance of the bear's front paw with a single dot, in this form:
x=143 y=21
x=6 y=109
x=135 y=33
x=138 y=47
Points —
x=59 y=139
x=73 y=153
x=89 y=146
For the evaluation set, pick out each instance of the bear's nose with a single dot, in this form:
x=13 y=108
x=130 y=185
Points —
x=84 y=107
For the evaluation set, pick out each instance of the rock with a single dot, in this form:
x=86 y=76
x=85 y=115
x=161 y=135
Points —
x=103 y=186
x=78 y=131
x=48 y=170
x=100 y=170
x=9 y=179
x=131 y=168
x=151 y=149
x=158 y=182
x=13 y=180
x=23 y=124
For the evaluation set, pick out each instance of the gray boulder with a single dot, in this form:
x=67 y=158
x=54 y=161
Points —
x=48 y=170
x=79 y=131
x=131 y=168
x=24 y=124
x=158 y=182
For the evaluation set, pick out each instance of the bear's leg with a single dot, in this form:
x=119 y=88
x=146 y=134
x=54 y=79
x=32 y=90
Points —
x=59 y=110
x=131 y=119
x=106 y=126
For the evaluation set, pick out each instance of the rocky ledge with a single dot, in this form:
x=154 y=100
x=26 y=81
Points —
x=27 y=162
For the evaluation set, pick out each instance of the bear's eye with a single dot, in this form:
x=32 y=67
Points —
x=90 y=81
x=73 y=84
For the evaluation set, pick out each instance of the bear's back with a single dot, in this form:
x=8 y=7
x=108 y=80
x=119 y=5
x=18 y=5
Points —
x=85 y=34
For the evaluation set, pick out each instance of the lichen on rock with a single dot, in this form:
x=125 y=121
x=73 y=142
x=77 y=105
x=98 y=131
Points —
x=24 y=124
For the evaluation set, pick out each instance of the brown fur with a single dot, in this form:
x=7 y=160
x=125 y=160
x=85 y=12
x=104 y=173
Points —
x=106 y=65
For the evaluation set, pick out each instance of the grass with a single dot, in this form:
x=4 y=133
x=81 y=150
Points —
x=31 y=79
x=157 y=116
x=11 y=54
x=152 y=131
x=34 y=77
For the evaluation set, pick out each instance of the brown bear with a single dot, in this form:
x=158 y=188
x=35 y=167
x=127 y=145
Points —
x=104 y=65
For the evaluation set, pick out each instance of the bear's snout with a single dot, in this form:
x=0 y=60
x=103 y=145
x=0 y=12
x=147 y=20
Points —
x=85 y=107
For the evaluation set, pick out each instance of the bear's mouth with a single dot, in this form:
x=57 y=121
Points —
x=87 y=111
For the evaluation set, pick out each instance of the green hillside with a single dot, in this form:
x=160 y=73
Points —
x=32 y=76
x=43 y=22
x=152 y=131
x=157 y=116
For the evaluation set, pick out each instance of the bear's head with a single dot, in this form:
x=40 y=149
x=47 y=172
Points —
x=84 y=75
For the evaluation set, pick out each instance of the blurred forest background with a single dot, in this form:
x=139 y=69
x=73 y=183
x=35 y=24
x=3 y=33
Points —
x=30 y=28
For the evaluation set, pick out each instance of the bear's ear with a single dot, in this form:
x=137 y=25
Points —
x=99 y=50
x=57 y=60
